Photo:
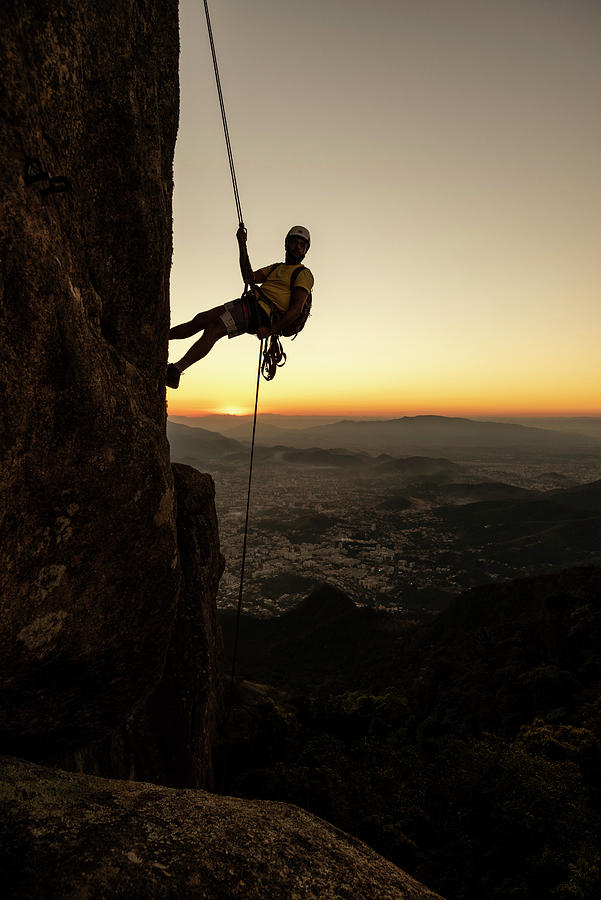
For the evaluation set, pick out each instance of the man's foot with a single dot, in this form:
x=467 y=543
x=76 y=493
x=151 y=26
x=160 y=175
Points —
x=173 y=376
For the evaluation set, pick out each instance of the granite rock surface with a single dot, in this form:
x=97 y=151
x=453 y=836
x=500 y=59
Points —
x=170 y=738
x=67 y=837
x=89 y=572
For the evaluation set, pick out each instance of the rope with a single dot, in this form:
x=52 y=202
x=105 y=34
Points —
x=269 y=359
x=243 y=564
x=230 y=702
x=247 y=287
x=230 y=155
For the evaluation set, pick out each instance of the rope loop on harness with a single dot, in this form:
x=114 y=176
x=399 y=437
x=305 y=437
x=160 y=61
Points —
x=273 y=357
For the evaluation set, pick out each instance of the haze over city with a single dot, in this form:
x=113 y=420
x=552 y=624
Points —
x=445 y=157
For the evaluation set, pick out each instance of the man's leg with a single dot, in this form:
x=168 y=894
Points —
x=232 y=318
x=198 y=323
x=214 y=330
x=213 y=327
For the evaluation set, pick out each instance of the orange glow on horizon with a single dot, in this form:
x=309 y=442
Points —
x=333 y=409
x=446 y=302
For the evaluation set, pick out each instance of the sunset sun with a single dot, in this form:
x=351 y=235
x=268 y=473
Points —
x=231 y=411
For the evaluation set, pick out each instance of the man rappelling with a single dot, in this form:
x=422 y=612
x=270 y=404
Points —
x=279 y=306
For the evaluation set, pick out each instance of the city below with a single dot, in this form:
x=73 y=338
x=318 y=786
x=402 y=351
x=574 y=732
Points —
x=401 y=533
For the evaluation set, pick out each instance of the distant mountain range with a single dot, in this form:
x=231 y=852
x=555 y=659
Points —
x=457 y=438
x=226 y=422
x=202 y=448
x=590 y=425
x=447 y=437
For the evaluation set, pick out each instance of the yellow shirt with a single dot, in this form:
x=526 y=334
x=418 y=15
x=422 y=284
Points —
x=277 y=286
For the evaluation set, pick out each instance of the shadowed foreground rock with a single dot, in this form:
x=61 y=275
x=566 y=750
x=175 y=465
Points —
x=73 y=836
x=169 y=739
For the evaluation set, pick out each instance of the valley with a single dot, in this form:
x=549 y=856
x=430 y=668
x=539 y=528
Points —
x=401 y=534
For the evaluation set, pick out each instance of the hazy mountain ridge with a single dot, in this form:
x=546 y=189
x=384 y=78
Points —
x=413 y=435
x=586 y=425
x=448 y=435
x=223 y=421
x=450 y=480
x=202 y=441
x=206 y=446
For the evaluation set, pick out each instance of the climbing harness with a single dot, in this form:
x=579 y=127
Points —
x=293 y=328
x=273 y=354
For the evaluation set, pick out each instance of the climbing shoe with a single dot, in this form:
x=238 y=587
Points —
x=173 y=376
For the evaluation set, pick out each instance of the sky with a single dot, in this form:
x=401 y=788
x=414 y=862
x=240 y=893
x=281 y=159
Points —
x=446 y=157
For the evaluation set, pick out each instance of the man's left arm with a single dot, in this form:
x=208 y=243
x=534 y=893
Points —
x=297 y=301
x=245 y=266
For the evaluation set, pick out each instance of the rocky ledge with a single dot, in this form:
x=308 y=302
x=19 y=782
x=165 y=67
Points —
x=96 y=838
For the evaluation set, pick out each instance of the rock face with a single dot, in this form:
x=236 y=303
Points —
x=88 y=559
x=185 y=707
x=66 y=837
x=169 y=739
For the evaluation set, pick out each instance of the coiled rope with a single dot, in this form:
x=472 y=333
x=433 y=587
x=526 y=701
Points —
x=273 y=357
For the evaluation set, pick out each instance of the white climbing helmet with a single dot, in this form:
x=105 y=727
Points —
x=300 y=231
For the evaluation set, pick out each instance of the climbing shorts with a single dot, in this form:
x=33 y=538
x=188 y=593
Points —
x=243 y=316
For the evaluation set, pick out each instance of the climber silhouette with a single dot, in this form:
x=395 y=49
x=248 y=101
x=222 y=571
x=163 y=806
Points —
x=273 y=308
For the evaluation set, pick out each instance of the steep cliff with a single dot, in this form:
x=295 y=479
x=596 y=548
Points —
x=88 y=556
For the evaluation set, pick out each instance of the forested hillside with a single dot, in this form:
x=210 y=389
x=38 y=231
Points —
x=467 y=749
